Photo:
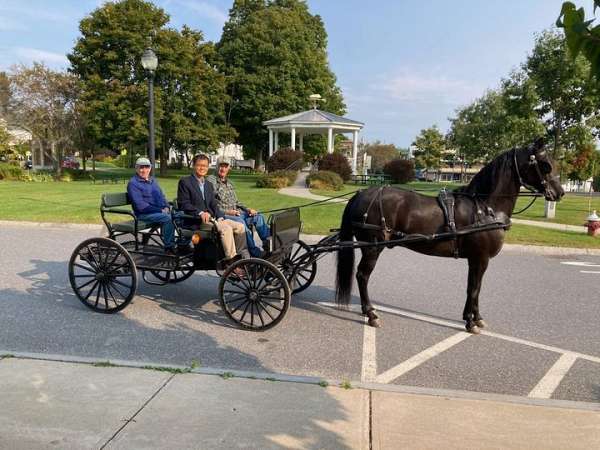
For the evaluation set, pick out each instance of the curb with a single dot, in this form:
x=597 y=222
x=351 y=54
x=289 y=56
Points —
x=286 y=378
x=314 y=238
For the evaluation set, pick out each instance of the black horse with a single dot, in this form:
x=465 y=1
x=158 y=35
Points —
x=381 y=214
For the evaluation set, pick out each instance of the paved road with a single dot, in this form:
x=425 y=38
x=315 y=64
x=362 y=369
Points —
x=543 y=340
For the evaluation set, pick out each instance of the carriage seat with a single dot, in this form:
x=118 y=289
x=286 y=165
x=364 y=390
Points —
x=118 y=203
x=192 y=226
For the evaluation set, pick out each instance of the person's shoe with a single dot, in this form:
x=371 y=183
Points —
x=171 y=251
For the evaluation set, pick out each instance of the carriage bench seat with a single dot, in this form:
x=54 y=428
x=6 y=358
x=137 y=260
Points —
x=118 y=203
x=205 y=230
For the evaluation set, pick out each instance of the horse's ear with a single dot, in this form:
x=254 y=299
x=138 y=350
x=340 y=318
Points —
x=538 y=144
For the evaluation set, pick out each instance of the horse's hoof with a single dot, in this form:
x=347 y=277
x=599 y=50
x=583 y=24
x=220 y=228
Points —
x=481 y=323
x=473 y=329
x=376 y=323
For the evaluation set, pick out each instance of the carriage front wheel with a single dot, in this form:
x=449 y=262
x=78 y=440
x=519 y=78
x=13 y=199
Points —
x=102 y=275
x=254 y=294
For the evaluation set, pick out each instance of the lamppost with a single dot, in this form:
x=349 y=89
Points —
x=150 y=63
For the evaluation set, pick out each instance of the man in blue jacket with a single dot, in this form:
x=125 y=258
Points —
x=149 y=203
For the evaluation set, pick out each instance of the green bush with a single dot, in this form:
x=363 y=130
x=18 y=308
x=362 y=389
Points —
x=338 y=163
x=282 y=159
x=277 y=179
x=74 y=174
x=10 y=171
x=123 y=161
x=326 y=180
x=400 y=170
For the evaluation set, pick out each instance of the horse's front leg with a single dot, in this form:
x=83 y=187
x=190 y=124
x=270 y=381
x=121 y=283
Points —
x=365 y=267
x=474 y=321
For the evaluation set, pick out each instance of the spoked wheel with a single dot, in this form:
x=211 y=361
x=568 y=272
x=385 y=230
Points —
x=102 y=275
x=300 y=276
x=186 y=270
x=254 y=293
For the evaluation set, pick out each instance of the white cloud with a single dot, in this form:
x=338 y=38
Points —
x=206 y=10
x=414 y=87
x=29 y=55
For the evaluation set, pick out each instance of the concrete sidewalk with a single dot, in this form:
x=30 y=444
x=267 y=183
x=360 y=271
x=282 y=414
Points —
x=50 y=404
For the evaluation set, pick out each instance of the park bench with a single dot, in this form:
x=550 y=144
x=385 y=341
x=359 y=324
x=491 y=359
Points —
x=371 y=179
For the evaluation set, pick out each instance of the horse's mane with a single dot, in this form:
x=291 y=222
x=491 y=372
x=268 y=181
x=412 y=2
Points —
x=486 y=180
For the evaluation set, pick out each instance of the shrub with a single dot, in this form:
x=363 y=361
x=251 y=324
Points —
x=326 y=180
x=400 y=170
x=282 y=159
x=11 y=172
x=338 y=163
x=277 y=180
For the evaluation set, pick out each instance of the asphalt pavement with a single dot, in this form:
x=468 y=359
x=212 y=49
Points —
x=543 y=338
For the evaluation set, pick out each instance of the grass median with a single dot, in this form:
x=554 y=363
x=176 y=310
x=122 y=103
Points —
x=79 y=202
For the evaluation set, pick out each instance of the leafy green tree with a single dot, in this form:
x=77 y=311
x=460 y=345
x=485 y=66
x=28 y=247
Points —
x=380 y=154
x=499 y=120
x=4 y=140
x=429 y=146
x=43 y=101
x=274 y=55
x=567 y=95
x=189 y=93
x=581 y=36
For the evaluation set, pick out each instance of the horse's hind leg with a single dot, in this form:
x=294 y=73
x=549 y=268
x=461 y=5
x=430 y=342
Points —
x=471 y=316
x=363 y=272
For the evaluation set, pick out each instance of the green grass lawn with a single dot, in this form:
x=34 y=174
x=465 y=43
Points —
x=79 y=201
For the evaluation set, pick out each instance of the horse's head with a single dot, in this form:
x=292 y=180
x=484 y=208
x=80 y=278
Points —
x=535 y=170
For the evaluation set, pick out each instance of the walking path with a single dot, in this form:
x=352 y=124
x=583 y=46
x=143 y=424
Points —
x=299 y=189
x=52 y=404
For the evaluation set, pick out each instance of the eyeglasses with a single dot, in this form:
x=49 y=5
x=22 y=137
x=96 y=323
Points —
x=143 y=167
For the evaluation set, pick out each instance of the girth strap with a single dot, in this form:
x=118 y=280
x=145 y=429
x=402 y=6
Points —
x=447 y=203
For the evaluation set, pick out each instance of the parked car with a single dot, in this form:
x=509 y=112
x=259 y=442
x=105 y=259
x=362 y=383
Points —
x=70 y=163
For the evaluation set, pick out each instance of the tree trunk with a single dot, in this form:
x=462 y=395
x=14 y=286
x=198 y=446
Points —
x=83 y=159
x=94 y=162
x=164 y=156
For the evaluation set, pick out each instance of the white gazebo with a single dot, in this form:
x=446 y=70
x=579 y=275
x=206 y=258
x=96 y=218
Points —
x=313 y=121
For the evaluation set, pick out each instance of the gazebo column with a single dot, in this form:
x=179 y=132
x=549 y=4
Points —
x=270 y=142
x=276 y=140
x=293 y=139
x=330 y=140
x=354 y=150
x=301 y=141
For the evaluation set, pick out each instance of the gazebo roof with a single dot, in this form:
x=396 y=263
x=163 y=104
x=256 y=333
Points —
x=314 y=117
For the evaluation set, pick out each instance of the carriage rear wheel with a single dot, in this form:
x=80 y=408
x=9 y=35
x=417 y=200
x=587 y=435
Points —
x=254 y=294
x=299 y=271
x=102 y=275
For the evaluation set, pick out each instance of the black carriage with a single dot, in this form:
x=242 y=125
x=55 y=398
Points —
x=254 y=292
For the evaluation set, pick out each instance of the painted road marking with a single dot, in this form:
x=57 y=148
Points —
x=548 y=384
x=456 y=325
x=415 y=361
x=589 y=271
x=579 y=263
x=369 y=357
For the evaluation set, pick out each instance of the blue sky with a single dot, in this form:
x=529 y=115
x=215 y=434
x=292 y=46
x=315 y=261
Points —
x=402 y=65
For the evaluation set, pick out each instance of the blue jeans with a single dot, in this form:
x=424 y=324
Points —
x=258 y=220
x=167 y=229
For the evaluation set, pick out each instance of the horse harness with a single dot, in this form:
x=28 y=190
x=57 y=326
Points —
x=484 y=215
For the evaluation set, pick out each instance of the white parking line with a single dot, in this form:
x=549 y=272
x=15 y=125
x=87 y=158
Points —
x=369 y=356
x=456 y=325
x=589 y=271
x=548 y=384
x=579 y=263
x=415 y=361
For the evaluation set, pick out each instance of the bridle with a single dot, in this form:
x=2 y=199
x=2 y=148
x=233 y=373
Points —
x=532 y=162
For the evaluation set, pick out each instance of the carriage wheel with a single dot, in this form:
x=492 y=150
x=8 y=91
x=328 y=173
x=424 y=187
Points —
x=254 y=293
x=185 y=271
x=102 y=275
x=299 y=277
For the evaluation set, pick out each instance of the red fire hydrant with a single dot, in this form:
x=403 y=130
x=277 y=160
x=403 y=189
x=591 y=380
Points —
x=593 y=224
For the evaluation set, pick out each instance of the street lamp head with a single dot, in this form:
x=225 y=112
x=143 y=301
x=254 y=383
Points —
x=149 y=60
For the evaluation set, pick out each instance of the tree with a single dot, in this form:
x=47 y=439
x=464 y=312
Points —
x=189 y=94
x=380 y=154
x=43 y=101
x=567 y=95
x=429 y=144
x=5 y=95
x=581 y=37
x=499 y=120
x=5 y=149
x=400 y=170
x=274 y=55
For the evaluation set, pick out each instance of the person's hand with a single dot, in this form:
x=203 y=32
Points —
x=166 y=210
x=232 y=212
x=205 y=216
x=252 y=212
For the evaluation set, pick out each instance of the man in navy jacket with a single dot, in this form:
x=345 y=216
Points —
x=149 y=202
x=196 y=197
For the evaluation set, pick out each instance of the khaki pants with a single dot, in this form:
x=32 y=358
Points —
x=229 y=230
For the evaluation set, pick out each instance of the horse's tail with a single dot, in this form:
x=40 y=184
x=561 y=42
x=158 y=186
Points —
x=345 y=258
